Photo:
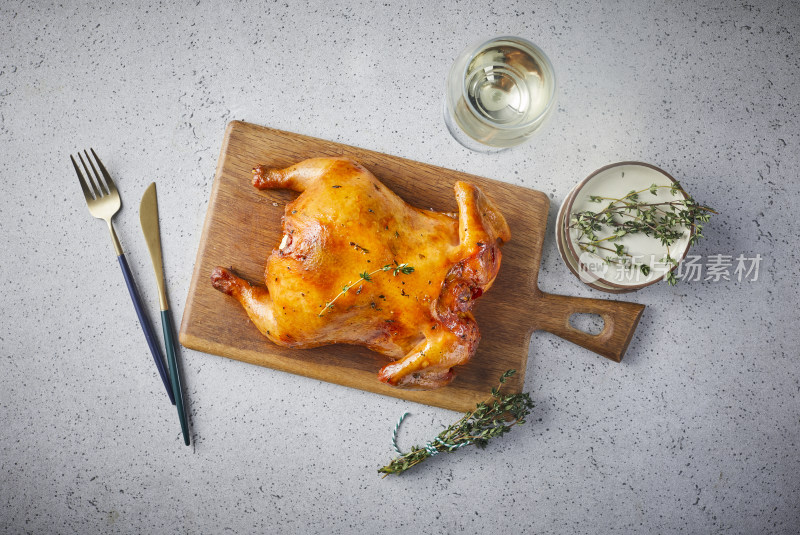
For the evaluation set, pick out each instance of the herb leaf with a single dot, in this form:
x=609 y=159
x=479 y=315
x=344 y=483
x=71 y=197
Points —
x=403 y=268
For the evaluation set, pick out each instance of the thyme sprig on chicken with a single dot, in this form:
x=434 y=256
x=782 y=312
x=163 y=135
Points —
x=395 y=268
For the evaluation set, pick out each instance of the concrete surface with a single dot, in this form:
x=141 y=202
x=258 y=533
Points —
x=697 y=431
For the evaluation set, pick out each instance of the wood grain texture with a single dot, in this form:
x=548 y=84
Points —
x=243 y=225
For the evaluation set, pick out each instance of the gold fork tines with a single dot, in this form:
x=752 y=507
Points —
x=101 y=195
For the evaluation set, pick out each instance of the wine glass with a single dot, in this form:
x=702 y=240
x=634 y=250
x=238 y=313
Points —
x=498 y=93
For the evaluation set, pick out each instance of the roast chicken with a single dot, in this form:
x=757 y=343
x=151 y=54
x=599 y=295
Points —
x=357 y=265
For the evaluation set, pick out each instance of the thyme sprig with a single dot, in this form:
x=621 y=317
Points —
x=395 y=268
x=489 y=420
x=665 y=221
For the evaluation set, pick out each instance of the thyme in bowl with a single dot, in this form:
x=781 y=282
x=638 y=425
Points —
x=666 y=221
x=395 y=268
x=489 y=420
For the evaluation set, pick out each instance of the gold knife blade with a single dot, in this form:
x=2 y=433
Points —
x=148 y=217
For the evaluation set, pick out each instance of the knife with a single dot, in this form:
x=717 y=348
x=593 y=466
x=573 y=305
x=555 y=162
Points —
x=148 y=216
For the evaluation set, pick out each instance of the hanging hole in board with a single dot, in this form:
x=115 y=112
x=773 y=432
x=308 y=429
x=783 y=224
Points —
x=588 y=323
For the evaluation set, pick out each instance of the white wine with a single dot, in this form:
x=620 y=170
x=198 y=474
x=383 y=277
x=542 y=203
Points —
x=499 y=93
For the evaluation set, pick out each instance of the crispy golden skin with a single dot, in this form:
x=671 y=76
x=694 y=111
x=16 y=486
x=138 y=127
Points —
x=344 y=223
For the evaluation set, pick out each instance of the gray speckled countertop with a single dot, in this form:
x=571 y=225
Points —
x=697 y=431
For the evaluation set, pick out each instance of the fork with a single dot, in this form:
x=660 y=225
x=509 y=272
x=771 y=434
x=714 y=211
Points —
x=104 y=202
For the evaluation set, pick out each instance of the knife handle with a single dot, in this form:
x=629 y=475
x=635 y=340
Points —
x=152 y=341
x=174 y=375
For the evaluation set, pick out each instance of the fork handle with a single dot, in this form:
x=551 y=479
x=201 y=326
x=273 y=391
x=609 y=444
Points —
x=152 y=341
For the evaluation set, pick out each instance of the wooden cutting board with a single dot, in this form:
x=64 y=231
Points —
x=243 y=225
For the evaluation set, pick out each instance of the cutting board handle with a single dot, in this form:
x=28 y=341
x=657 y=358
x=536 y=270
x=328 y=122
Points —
x=620 y=319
